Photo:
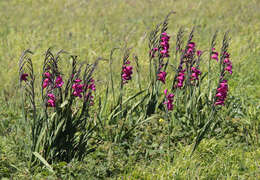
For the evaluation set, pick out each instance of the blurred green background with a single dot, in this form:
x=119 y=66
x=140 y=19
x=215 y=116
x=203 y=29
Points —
x=92 y=28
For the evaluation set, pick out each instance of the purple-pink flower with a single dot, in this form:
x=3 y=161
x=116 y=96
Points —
x=51 y=96
x=51 y=103
x=229 y=68
x=77 y=88
x=181 y=78
x=47 y=80
x=77 y=80
x=24 y=77
x=199 y=53
x=161 y=76
x=45 y=83
x=127 y=72
x=169 y=100
x=92 y=85
x=47 y=75
x=165 y=44
x=59 y=82
x=195 y=74
x=191 y=45
x=228 y=63
x=214 y=54
x=191 y=49
x=51 y=100
x=221 y=93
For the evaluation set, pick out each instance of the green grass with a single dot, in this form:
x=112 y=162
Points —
x=215 y=159
x=91 y=29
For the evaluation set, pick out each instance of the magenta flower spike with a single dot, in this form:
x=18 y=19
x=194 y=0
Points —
x=24 y=77
x=165 y=45
x=127 y=72
x=221 y=93
x=228 y=63
x=191 y=49
x=47 y=80
x=181 y=78
x=161 y=76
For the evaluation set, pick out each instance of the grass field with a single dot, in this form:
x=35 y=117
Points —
x=91 y=29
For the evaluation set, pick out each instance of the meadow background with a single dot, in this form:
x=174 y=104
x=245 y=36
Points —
x=91 y=29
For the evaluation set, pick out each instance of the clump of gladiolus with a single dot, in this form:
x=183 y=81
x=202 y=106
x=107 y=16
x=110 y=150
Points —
x=77 y=86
